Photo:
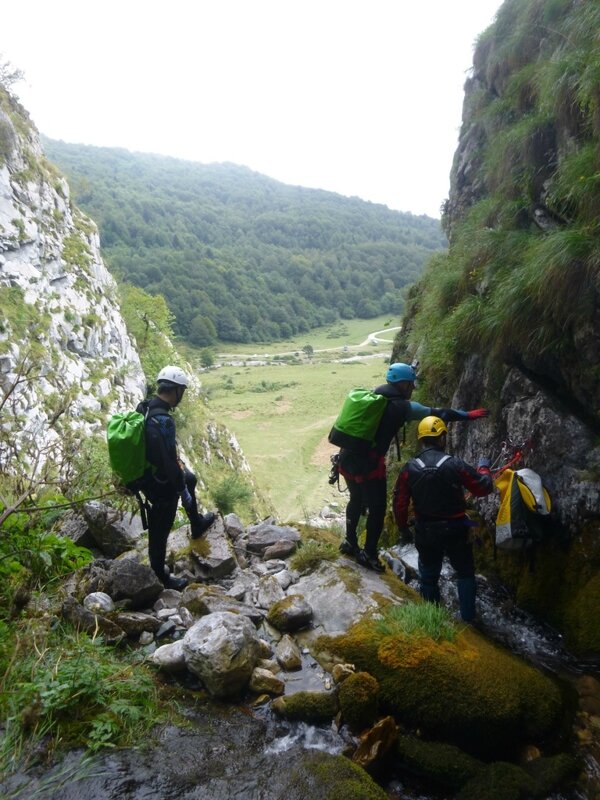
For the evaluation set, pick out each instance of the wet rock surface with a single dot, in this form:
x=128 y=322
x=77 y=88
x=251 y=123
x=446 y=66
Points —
x=223 y=754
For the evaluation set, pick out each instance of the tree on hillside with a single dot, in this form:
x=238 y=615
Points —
x=9 y=75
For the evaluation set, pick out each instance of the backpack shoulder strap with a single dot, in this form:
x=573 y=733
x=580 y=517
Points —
x=423 y=465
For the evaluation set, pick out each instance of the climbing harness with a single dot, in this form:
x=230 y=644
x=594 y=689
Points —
x=511 y=453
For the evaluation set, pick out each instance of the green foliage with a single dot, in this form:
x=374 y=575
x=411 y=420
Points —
x=7 y=138
x=309 y=555
x=206 y=358
x=238 y=256
x=30 y=555
x=149 y=321
x=519 y=282
x=22 y=320
x=76 y=251
x=68 y=690
x=230 y=493
x=417 y=619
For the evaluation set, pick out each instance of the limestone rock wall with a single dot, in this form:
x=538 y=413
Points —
x=60 y=313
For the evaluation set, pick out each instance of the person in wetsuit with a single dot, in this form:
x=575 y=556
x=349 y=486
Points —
x=435 y=482
x=169 y=480
x=366 y=475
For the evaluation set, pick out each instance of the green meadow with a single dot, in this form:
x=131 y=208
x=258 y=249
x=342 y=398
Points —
x=282 y=412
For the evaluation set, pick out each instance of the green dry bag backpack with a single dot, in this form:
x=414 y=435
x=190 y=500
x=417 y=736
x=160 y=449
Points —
x=126 y=439
x=357 y=422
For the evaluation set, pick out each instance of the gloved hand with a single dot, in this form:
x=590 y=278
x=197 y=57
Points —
x=476 y=413
x=186 y=499
x=484 y=462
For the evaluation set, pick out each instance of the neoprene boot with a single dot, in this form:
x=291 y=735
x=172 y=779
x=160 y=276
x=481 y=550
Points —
x=349 y=548
x=430 y=592
x=466 y=598
x=202 y=524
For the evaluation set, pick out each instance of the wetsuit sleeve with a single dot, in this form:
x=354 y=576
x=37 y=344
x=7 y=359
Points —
x=458 y=414
x=162 y=451
x=401 y=499
x=477 y=481
x=418 y=412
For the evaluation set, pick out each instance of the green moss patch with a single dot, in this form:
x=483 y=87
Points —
x=468 y=692
x=499 y=781
x=358 y=700
x=334 y=778
x=443 y=764
x=307 y=706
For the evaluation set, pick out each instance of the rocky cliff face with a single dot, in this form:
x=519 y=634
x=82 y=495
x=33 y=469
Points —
x=510 y=317
x=60 y=316
x=66 y=359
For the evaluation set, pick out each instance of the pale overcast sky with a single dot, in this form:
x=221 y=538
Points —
x=360 y=97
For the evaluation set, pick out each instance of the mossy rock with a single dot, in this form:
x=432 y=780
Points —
x=499 y=781
x=358 y=700
x=563 y=587
x=468 y=692
x=307 y=706
x=552 y=772
x=328 y=777
x=442 y=764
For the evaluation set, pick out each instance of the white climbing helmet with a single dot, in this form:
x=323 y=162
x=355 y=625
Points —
x=172 y=374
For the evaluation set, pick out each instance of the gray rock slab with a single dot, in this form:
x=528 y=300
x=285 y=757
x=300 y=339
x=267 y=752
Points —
x=340 y=593
x=265 y=535
x=113 y=532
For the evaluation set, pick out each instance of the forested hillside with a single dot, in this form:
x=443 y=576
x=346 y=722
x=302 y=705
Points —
x=239 y=256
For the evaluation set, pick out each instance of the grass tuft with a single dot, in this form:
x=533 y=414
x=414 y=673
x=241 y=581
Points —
x=416 y=620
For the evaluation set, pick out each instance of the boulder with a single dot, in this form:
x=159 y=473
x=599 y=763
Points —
x=358 y=701
x=222 y=649
x=128 y=579
x=113 y=532
x=269 y=591
x=341 y=593
x=201 y=600
x=313 y=707
x=169 y=657
x=442 y=764
x=213 y=555
x=288 y=653
x=290 y=614
x=134 y=622
x=267 y=534
x=466 y=691
x=233 y=525
x=75 y=527
x=99 y=603
x=281 y=549
x=91 y=623
x=263 y=680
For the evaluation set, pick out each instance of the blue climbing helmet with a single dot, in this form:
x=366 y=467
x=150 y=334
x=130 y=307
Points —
x=400 y=372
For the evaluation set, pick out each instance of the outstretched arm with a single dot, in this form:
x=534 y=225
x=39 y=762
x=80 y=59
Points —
x=418 y=411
